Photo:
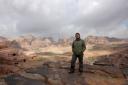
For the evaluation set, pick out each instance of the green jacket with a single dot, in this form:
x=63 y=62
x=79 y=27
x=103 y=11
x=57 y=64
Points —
x=78 y=47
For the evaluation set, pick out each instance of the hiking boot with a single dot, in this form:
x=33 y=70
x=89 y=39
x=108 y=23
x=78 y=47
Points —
x=71 y=71
x=80 y=70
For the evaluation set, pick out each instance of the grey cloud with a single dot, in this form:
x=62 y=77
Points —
x=64 y=17
x=109 y=12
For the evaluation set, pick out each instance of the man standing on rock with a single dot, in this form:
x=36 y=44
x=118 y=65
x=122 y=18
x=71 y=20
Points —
x=78 y=47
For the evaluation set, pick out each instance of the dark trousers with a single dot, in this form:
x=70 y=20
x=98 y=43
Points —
x=73 y=61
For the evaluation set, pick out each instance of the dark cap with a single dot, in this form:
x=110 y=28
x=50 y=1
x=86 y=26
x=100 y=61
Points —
x=77 y=33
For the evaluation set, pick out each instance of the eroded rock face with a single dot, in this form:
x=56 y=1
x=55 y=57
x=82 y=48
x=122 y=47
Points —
x=15 y=44
x=117 y=59
x=55 y=71
x=31 y=42
x=97 y=40
x=9 y=59
x=7 y=53
x=115 y=64
x=10 y=56
x=102 y=40
x=65 y=41
x=7 y=69
x=41 y=43
x=25 y=41
x=4 y=43
x=57 y=75
x=104 y=71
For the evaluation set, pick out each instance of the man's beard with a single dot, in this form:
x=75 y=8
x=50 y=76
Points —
x=78 y=38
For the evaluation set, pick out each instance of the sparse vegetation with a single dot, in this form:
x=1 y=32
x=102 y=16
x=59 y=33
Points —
x=91 y=60
x=37 y=49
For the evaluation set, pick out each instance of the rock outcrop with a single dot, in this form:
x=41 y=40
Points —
x=10 y=56
x=115 y=64
x=4 y=43
x=31 y=42
x=52 y=68
x=103 y=40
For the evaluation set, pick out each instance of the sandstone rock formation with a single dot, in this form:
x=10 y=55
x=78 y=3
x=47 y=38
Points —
x=52 y=68
x=32 y=42
x=116 y=63
x=4 y=43
x=103 y=40
x=9 y=56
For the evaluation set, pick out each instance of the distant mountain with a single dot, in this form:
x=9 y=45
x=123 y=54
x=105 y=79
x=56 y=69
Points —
x=4 y=42
x=30 y=41
x=2 y=39
x=103 y=40
x=65 y=41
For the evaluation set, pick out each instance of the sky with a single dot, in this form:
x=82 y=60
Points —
x=62 y=18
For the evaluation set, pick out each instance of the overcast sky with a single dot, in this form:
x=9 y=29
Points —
x=64 y=17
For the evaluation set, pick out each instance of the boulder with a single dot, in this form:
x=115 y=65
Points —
x=7 y=69
x=11 y=56
x=104 y=70
x=4 y=43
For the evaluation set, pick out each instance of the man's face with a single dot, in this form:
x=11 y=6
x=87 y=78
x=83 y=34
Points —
x=77 y=36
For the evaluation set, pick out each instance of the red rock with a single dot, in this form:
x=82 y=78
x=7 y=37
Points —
x=10 y=56
x=4 y=43
x=6 y=69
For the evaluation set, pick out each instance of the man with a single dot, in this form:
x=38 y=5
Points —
x=78 y=47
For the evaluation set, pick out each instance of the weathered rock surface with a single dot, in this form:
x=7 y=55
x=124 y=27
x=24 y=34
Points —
x=114 y=64
x=103 y=40
x=10 y=56
x=53 y=68
x=45 y=75
x=7 y=69
x=4 y=43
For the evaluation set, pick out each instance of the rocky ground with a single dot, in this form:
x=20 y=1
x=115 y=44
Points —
x=19 y=67
x=53 y=70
